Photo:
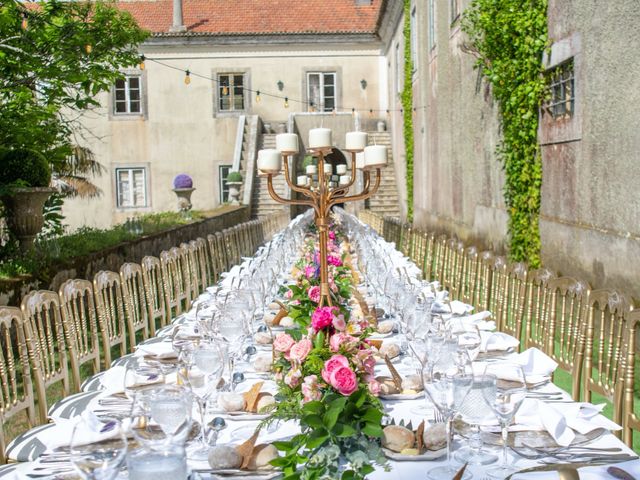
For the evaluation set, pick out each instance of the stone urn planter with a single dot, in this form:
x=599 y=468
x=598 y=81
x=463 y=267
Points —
x=234 y=192
x=184 y=198
x=25 y=212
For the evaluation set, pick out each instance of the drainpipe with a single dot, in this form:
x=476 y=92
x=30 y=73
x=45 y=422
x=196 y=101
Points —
x=178 y=22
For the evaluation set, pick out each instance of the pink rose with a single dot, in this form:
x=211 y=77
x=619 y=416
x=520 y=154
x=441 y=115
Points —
x=314 y=294
x=288 y=294
x=334 y=363
x=374 y=387
x=344 y=380
x=292 y=378
x=341 y=340
x=310 y=389
x=332 y=235
x=310 y=271
x=283 y=343
x=365 y=360
x=322 y=317
x=334 y=260
x=339 y=323
x=300 y=350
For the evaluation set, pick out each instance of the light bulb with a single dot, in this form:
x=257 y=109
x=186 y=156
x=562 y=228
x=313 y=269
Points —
x=25 y=22
x=225 y=90
x=353 y=112
x=187 y=77
x=88 y=48
x=142 y=58
x=371 y=112
x=258 y=96
x=286 y=102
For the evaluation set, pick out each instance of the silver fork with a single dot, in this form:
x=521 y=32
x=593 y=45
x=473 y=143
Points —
x=437 y=416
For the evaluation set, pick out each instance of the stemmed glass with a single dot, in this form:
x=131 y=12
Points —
x=170 y=407
x=232 y=328
x=447 y=388
x=208 y=359
x=141 y=375
x=504 y=390
x=98 y=447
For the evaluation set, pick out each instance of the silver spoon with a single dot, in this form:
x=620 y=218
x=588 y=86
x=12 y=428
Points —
x=215 y=425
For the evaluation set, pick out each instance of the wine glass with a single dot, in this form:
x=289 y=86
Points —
x=170 y=408
x=98 y=447
x=504 y=390
x=447 y=388
x=141 y=375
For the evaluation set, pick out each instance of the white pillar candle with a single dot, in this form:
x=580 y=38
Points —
x=375 y=156
x=311 y=169
x=341 y=169
x=344 y=179
x=356 y=141
x=269 y=160
x=287 y=143
x=302 y=180
x=319 y=138
x=328 y=169
x=360 y=160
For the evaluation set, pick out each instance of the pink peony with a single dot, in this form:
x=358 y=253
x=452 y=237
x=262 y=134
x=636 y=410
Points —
x=314 y=294
x=344 y=380
x=334 y=363
x=334 y=260
x=340 y=339
x=283 y=343
x=288 y=294
x=332 y=235
x=365 y=360
x=300 y=350
x=339 y=323
x=374 y=387
x=310 y=389
x=322 y=317
x=310 y=271
x=293 y=377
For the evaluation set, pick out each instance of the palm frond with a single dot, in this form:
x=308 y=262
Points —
x=75 y=186
x=81 y=162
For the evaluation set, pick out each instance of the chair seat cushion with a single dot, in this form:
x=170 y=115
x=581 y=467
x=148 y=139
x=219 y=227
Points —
x=93 y=383
x=73 y=405
x=6 y=471
x=26 y=447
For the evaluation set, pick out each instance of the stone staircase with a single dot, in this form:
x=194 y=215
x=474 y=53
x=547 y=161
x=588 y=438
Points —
x=385 y=202
x=262 y=204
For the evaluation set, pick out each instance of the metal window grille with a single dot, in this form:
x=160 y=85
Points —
x=561 y=101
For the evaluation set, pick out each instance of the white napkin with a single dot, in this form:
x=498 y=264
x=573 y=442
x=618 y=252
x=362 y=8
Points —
x=60 y=435
x=113 y=379
x=478 y=319
x=537 y=365
x=497 y=341
x=534 y=414
x=158 y=350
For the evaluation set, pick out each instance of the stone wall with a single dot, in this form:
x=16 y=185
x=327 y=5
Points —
x=11 y=291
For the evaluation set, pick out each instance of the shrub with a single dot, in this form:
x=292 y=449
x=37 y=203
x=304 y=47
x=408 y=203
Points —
x=25 y=168
x=234 y=177
x=308 y=160
x=182 y=181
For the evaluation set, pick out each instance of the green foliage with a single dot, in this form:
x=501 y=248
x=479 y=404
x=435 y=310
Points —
x=510 y=39
x=234 y=177
x=55 y=59
x=308 y=160
x=407 y=107
x=53 y=217
x=24 y=167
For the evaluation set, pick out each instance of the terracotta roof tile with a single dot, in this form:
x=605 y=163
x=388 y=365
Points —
x=259 y=17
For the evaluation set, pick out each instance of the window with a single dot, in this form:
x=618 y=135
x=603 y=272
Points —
x=231 y=92
x=321 y=91
x=414 y=40
x=455 y=10
x=432 y=24
x=128 y=95
x=131 y=186
x=399 y=69
x=223 y=171
x=562 y=90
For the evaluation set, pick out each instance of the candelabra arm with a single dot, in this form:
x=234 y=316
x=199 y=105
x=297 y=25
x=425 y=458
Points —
x=361 y=196
x=304 y=190
x=342 y=190
x=286 y=201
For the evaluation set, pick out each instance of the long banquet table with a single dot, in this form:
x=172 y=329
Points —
x=239 y=429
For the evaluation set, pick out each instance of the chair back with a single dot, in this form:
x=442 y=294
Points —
x=173 y=282
x=630 y=420
x=481 y=287
x=468 y=274
x=16 y=394
x=154 y=293
x=192 y=270
x=80 y=323
x=427 y=258
x=135 y=308
x=537 y=317
x=46 y=344
x=604 y=360
x=567 y=319
x=203 y=262
x=107 y=290
x=513 y=299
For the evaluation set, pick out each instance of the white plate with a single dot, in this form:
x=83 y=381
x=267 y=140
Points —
x=242 y=415
x=427 y=456
x=401 y=396
x=237 y=473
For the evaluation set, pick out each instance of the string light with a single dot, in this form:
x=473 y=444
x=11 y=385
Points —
x=187 y=77
x=258 y=96
x=353 y=112
x=388 y=114
x=414 y=112
x=142 y=59
x=25 y=22
x=286 y=102
x=225 y=90
x=88 y=48
x=371 y=112
x=312 y=107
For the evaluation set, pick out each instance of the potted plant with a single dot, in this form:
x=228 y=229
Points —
x=309 y=165
x=183 y=188
x=24 y=188
x=234 y=181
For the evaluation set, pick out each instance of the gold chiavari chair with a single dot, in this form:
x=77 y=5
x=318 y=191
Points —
x=173 y=285
x=80 y=323
x=107 y=291
x=154 y=293
x=16 y=394
x=537 y=318
x=630 y=421
x=481 y=287
x=453 y=270
x=427 y=260
x=468 y=276
x=46 y=344
x=440 y=258
x=566 y=320
x=135 y=307
x=405 y=239
x=203 y=262
x=604 y=356
x=230 y=247
x=190 y=270
x=513 y=300
x=217 y=265
x=497 y=284
x=416 y=246
x=223 y=254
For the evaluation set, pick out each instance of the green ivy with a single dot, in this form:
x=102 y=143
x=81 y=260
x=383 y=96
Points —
x=510 y=37
x=407 y=107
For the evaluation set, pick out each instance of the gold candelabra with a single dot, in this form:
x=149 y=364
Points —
x=321 y=197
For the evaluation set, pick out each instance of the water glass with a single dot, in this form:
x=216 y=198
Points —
x=166 y=464
x=98 y=447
